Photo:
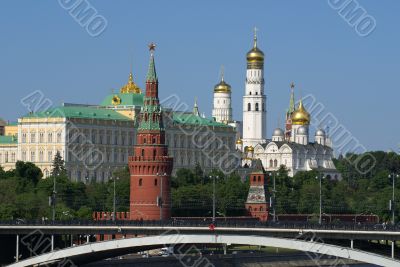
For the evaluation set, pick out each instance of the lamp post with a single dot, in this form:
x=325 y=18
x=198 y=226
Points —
x=114 y=198
x=392 y=206
x=54 y=199
x=273 y=195
x=161 y=193
x=213 y=208
x=320 y=177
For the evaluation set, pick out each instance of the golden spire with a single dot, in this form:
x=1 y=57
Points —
x=130 y=87
x=255 y=37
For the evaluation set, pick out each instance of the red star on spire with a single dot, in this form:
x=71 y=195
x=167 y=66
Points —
x=152 y=46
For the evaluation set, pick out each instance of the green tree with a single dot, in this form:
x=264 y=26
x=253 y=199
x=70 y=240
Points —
x=58 y=165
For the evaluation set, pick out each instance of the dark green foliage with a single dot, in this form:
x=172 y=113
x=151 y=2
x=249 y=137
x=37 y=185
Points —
x=58 y=165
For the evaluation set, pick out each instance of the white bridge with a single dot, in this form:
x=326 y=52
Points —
x=105 y=249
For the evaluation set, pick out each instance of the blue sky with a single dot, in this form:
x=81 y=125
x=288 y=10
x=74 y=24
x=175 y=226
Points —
x=356 y=78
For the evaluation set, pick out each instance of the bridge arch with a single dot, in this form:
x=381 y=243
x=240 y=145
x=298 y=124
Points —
x=115 y=247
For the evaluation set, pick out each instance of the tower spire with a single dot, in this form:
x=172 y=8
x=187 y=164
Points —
x=151 y=73
x=255 y=37
x=291 y=102
x=196 y=108
x=222 y=73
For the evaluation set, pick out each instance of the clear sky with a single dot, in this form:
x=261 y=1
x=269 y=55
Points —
x=43 y=48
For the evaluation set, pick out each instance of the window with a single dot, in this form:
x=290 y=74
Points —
x=256 y=93
x=155 y=182
x=259 y=178
x=250 y=92
x=23 y=155
x=33 y=138
x=256 y=106
x=254 y=178
x=154 y=153
x=271 y=163
x=24 y=138
x=142 y=152
x=275 y=163
x=32 y=156
x=41 y=137
x=248 y=107
x=140 y=182
x=40 y=156
x=50 y=138
x=50 y=156
x=154 y=140
x=6 y=157
x=58 y=137
x=13 y=157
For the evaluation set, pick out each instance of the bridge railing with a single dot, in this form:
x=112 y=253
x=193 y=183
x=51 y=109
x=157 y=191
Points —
x=207 y=223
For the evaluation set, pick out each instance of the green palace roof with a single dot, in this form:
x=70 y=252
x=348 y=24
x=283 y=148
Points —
x=127 y=99
x=190 y=118
x=79 y=112
x=8 y=139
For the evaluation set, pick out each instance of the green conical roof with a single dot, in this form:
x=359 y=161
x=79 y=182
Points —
x=151 y=73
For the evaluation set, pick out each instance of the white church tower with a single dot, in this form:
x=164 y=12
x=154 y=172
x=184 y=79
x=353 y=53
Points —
x=254 y=100
x=222 y=108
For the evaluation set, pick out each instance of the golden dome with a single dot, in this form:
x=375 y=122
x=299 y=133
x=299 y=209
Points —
x=300 y=116
x=239 y=142
x=255 y=55
x=222 y=87
x=250 y=149
x=130 y=87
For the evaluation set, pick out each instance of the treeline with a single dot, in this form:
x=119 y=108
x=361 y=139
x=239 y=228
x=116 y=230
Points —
x=25 y=195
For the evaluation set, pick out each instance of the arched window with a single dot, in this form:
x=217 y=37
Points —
x=140 y=182
x=261 y=208
x=142 y=152
x=248 y=107
x=155 y=182
x=154 y=140
x=154 y=153
x=259 y=178
x=256 y=93
x=275 y=163
x=256 y=106
x=254 y=178
x=271 y=163
x=144 y=141
x=250 y=92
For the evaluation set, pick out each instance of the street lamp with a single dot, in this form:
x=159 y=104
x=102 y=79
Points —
x=392 y=206
x=160 y=200
x=320 y=177
x=273 y=195
x=114 y=199
x=213 y=208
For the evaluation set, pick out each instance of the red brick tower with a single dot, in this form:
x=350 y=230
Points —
x=257 y=204
x=150 y=167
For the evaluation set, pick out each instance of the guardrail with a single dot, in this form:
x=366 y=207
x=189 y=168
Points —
x=207 y=223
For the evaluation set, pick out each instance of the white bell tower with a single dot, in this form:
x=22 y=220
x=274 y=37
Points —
x=254 y=100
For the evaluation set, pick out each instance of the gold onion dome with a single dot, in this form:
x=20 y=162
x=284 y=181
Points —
x=300 y=116
x=222 y=87
x=239 y=142
x=255 y=54
x=250 y=149
x=130 y=87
